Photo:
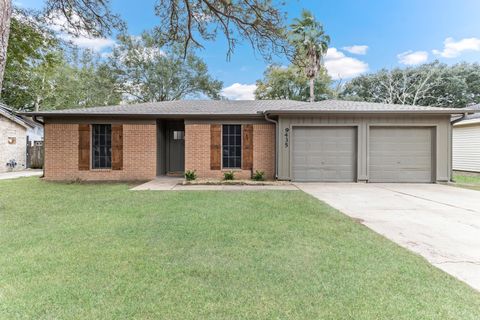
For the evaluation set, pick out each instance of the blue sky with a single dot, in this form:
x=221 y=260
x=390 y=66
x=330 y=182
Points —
x=387 y=34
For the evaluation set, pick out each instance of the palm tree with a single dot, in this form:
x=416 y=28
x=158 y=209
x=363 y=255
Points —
x=310 y=43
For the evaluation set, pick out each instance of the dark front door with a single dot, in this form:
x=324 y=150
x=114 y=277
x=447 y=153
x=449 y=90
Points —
x=175 y=138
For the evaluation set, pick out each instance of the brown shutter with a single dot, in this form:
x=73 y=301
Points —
x=117 y=147
x=215 y=147
x=83 y=147
x=247 y=147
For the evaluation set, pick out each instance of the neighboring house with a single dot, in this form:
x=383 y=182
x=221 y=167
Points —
x=15 y=130
x=466 y=143
x=339 y=141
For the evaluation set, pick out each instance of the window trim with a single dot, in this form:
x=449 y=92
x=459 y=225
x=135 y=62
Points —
x=92 y=168
x=241 y=147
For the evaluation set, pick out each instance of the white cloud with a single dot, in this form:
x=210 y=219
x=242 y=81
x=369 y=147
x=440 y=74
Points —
x=239 y=91
x=411 y=58
x=95 y=44
x=339 y=66
x=357 y=49
x=452 y=48
x=58 y=23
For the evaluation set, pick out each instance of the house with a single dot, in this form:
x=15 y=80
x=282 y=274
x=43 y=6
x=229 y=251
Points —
x=338 y=141
x=15 y=131
x=466 y=143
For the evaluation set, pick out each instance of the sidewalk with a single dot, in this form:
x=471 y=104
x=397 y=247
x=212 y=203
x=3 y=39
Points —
x=20 y=174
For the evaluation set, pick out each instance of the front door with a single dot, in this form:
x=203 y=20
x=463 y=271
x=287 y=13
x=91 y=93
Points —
x=175 y=138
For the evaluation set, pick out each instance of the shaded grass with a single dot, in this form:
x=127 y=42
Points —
x=75 y=251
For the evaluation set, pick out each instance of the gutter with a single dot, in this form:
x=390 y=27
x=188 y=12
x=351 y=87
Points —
x=276 y=141
x=459 y=119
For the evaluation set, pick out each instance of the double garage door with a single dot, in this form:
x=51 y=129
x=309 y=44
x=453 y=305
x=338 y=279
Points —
x=395 y=154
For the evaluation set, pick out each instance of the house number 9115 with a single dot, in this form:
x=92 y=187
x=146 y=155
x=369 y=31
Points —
x=287 y=130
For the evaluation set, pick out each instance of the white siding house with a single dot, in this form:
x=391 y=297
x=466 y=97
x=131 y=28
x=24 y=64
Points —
x=466 y=143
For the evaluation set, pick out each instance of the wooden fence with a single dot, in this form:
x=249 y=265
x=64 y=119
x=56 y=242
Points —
x=35 y=155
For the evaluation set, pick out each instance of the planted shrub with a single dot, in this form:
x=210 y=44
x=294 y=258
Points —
x=190 y=175
x=258 y=176
x=230 y=175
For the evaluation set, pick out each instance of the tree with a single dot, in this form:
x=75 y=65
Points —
x=181 y=22
x=310 y=43
x=432 y=84
x=148 y=71
x=256 y=21
x=41 y=75
x=5 y=18
x=292 y=84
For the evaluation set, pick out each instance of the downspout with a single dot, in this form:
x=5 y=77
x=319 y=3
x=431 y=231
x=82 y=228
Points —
x=276 y=141
x=451 y=143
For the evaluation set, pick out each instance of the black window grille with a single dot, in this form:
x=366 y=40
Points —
x=232 y=146
x=101 y=146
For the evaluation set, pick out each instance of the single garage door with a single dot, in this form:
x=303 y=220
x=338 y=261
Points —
x=401 y=154
x=324 y=154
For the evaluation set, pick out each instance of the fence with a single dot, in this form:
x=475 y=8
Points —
x=35 y=155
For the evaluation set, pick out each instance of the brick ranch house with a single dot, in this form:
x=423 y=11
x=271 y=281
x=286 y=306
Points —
x=331 y=140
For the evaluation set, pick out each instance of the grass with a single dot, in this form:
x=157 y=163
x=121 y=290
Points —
x=469 y=182
x=75 y=251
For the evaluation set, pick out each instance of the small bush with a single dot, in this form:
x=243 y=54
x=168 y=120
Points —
x=190 y=175
x=230 y=175
x=258 y=176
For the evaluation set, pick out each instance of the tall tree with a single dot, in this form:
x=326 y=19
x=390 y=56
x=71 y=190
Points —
x=290 y=83
x=148 y=71
x=5 y=18
x=310 y=44
x=41 y=75
x=434 y=84
x=184 y=22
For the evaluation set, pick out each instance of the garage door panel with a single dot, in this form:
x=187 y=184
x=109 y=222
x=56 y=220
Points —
x=400 y=154
x=324 y=154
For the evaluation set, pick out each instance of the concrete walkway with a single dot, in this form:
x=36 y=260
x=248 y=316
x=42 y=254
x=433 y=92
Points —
x=439 y=222
x=20 y=174
x=174 y=184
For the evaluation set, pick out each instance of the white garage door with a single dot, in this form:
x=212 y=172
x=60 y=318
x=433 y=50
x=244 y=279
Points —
x=324 y=154
x=400 y=154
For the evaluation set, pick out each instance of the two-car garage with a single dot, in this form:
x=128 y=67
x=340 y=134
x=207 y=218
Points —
x=333 y=153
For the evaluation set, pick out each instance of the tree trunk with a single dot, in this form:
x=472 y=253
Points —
x=312 y=90
x=5 y=17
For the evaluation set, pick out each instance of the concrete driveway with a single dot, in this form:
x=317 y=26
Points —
x=439 y=222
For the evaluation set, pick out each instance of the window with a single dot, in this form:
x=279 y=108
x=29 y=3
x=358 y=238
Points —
x=178 y=135
x=232 y=146
x=101 y=146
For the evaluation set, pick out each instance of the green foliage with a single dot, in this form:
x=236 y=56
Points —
x=42 y=75
x=434 y=84
x=148 y=71
x=191 y=175
x=258 y=176
x=229 y=175
x=291 y=83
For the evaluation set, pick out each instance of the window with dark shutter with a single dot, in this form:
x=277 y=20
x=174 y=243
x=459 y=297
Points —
x=101 y=146
x=232 y=146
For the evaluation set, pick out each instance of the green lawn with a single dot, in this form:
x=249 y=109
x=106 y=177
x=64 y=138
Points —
x=470 y=182
x=73 y=251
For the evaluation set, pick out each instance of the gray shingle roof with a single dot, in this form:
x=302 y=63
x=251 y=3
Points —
x=475 y=115
x=243 y=108
x=362 y=106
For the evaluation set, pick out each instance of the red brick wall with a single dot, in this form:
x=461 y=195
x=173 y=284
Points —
x=197 y=151
x=139 y=154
